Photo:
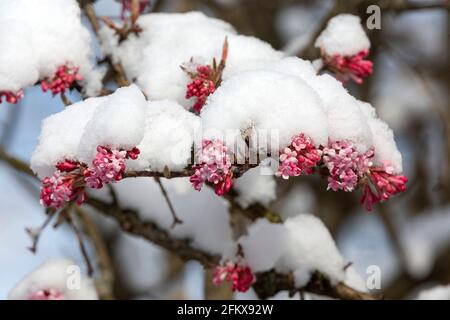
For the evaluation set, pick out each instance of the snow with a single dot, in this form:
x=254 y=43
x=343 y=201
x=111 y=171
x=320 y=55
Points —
x=436 y=293
x=118 y=122
x=255 y=187
x=170 y=39
x=347 y=117
x=168 y=139
x=344 y=35
x=36 y=34
x=301 y=245
x=54 y=274
x=264 y=102
x=61 y=134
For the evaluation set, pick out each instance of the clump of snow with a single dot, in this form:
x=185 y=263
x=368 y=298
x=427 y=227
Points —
x=168 y=139
x=255 y=101
x=383 y=139
x=61 y=134
x=354 y=280
x=36 y=34
x=117 y=122
x=345 y=120
x=344 y=35
x=301 y=245
x=57 y=274
x=435 y=293
x=15 y=76
x=255 y=187
x=169 y=40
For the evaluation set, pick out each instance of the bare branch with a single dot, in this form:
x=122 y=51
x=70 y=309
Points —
x=176 y=219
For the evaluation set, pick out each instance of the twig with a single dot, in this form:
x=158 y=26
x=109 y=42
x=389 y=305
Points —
x=65 y=100
x=15 y=163
x=83 y=250
x=35 y=233
x=120 y=76
x=176 y=219
x=105 y=285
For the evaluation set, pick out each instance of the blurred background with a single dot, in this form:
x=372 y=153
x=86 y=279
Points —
x=407 y=237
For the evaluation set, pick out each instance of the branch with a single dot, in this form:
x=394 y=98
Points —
x=130 y=222
x=268 y=283
x=176 y=219
x=105 y=285
x=119 y=72
x=15 y=163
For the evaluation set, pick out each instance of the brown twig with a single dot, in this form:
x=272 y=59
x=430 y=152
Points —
x=35 y=233
x=176 y=219
x=79 y=237
x=105 y=285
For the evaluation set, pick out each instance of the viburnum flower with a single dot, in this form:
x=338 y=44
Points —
x=345 y=165
x=240 y=276
x=64 y=78
x=47 y=294
x=108 y=166
x=349 y=67
x=380 y=184
x=11 y=97
x=66 y=184
x=205 y=78
x=214 y=167
x=301 y=156
x=126 y=6
x=200 y=87
x=69 y=181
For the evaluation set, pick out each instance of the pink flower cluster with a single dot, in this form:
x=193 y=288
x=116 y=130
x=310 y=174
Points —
x=345 y=165
x=108 y=166
x=63 y=186
x=11 y=97
x=126 y=6
x=47 y=294
x=300 y=157
x=381 y=184
x=64 y=78
x=352 y=67
x=69 y=181
x=201 y=87
x=214 y=167
x=241 y=277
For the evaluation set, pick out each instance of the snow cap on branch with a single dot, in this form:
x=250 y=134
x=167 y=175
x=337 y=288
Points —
x=169 y=40
x=61 y=134
x=343 y=36
x=264 y=100
x=115 y=121
x=36 y=34
x=118 y=123
x=51 y=281
x=168 y=138
x=301 y=245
